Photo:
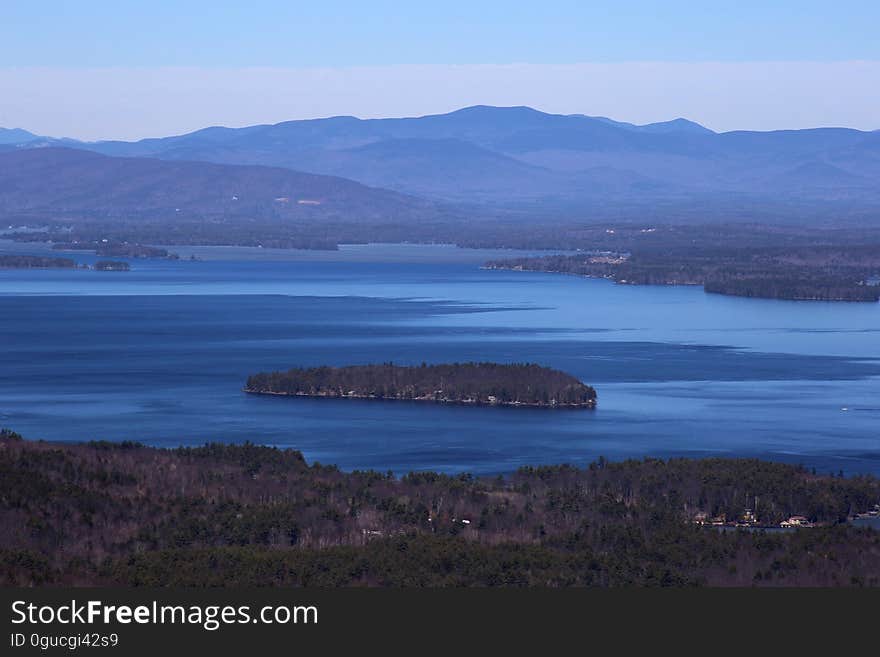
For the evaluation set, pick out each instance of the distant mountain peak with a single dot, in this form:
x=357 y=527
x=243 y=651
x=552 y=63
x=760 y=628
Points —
x=483 y=114
x=675 y=126
x=493 y=109
x=16 y=136
x=679 y=125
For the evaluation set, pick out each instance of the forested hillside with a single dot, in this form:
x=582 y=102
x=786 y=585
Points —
x=125 y=514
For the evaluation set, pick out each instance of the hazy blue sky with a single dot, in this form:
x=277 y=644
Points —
x=101 y=68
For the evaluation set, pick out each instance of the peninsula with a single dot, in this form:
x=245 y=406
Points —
x=487 y=384
x=800 y=273
x=111 y=265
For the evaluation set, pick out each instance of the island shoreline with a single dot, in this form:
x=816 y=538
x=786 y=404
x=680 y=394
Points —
x=591 y=405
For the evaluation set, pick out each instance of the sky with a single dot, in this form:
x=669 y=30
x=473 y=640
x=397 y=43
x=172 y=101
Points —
x=100 y=69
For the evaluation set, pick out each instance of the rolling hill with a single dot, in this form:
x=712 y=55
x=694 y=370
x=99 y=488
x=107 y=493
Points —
x=64 y=183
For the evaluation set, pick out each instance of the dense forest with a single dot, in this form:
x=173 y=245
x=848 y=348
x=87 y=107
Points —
x=522 y=384
x=824 y=273
x=125 y=514
x=35 y=262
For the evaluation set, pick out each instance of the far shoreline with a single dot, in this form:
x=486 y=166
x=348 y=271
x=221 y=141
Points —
x=390 y=252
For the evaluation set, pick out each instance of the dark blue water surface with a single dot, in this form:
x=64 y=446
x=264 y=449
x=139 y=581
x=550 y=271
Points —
x=160 y=354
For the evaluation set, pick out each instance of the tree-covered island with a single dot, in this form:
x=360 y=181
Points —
x=44 y=262
x=111 y=265
x=35 y=262
x=491 y=384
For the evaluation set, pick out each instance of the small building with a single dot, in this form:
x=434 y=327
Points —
x=796 y=521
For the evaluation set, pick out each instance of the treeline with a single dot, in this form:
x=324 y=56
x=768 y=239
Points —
x=829 y=273
x=115 y=249
x=35 y=262
x=477 y=383
x=124 y=514
x=781 y=286
x=43 y=262
x=490 y=229
x=111 y=265
x=134 y=239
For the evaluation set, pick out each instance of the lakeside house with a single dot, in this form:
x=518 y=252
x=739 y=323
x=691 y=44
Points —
x=718 y=520
x=796 y=521
x=748 y=518
x=873 y=513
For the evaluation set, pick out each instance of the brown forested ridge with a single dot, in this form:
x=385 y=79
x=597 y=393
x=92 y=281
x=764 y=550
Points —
x=126 y=514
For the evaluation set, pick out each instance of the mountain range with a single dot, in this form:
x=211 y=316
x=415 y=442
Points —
x=510 y=156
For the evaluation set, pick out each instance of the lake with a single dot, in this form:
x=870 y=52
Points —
x=160 y=354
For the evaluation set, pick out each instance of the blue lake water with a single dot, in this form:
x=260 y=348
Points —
x=160 y=354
